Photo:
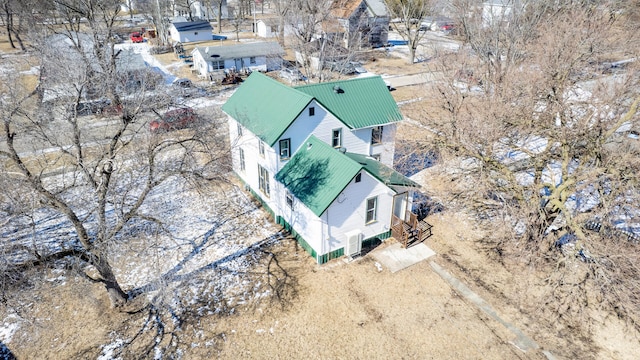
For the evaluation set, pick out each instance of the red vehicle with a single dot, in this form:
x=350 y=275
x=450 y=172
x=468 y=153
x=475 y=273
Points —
x=136 y=37
x=174 y=119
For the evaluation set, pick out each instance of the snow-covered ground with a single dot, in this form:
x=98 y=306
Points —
x=200 y=255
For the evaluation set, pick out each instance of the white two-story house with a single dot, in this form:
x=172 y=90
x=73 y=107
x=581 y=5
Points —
x=319 y=157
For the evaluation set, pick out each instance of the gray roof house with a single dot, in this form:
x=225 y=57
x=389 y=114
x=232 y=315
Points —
x=258 y=56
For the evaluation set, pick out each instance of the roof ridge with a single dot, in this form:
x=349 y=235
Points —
x=355 y=79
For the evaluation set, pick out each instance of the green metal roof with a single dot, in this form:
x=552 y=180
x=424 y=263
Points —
x=318 y=173
x=265 y=106
x=359 y=103
x=385 y=174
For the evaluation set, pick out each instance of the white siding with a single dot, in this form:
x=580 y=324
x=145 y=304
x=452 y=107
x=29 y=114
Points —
x=249 y=143
x=304 y=221
x=190 y=36
x=204 y=66
x=348 y=212
x=386 y=148
x=322 y=125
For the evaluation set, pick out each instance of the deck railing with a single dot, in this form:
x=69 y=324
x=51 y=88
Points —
x=410 y=232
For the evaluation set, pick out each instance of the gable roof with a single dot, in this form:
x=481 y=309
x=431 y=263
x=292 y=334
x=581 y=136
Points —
x=226 y=52
x=343 y=9
x=317 y=173
x=192 y=25
x=359 y=103
x=265 y=106
x=378 y=7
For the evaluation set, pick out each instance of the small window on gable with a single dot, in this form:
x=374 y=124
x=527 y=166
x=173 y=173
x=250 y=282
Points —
x=336 y=138
x=239 y=130
x=312 y=111
x=359 y=177
x=252 y=60
x=195 y=33
x=261 y=148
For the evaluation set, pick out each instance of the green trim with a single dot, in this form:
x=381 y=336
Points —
x=376 y=239
x=330 y=256
x=303 y=243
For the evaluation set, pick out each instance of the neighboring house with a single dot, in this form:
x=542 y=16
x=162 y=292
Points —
x=190 y=31
x=195 y=11
x=365 y=22
x=70 y=50
x=258 y=56
x=321 y=53
x=319 y=157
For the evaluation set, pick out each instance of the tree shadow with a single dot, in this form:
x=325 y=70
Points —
x=305 y=178
x=5 y=352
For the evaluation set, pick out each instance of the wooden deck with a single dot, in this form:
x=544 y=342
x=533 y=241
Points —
x=410 y=232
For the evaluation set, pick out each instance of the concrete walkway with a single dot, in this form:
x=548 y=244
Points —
x=396 y=258
x=522 y=341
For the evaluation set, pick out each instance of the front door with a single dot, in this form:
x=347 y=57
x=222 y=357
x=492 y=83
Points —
x=400 y=205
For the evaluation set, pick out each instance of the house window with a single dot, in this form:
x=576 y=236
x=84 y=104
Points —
x=263 y=180
x=217 y=65
x=336 y=138
x=261 y=148
x=372 y=209
x=252 y=60
x=376 y=157
x=312 y=111
x=289 y=199
x=242 y=166
x=195 y=33
x=239 y=130
x=376 y=135
x=359 y=177
x=285 y=149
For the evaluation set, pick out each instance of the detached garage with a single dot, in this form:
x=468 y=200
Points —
x=191 y=31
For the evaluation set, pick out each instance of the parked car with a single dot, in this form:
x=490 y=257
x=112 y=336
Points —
x=347 y=68
x=136 y=37
x=175 y=119
x=292 y=74
x=92 y=107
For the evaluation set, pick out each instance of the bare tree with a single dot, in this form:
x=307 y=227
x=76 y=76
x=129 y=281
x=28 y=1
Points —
x=537 y=135
x=217 y=4
x=411 y=13
x=14 y=15
x=160 y=11
x=281 y=9
x=96 y=179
